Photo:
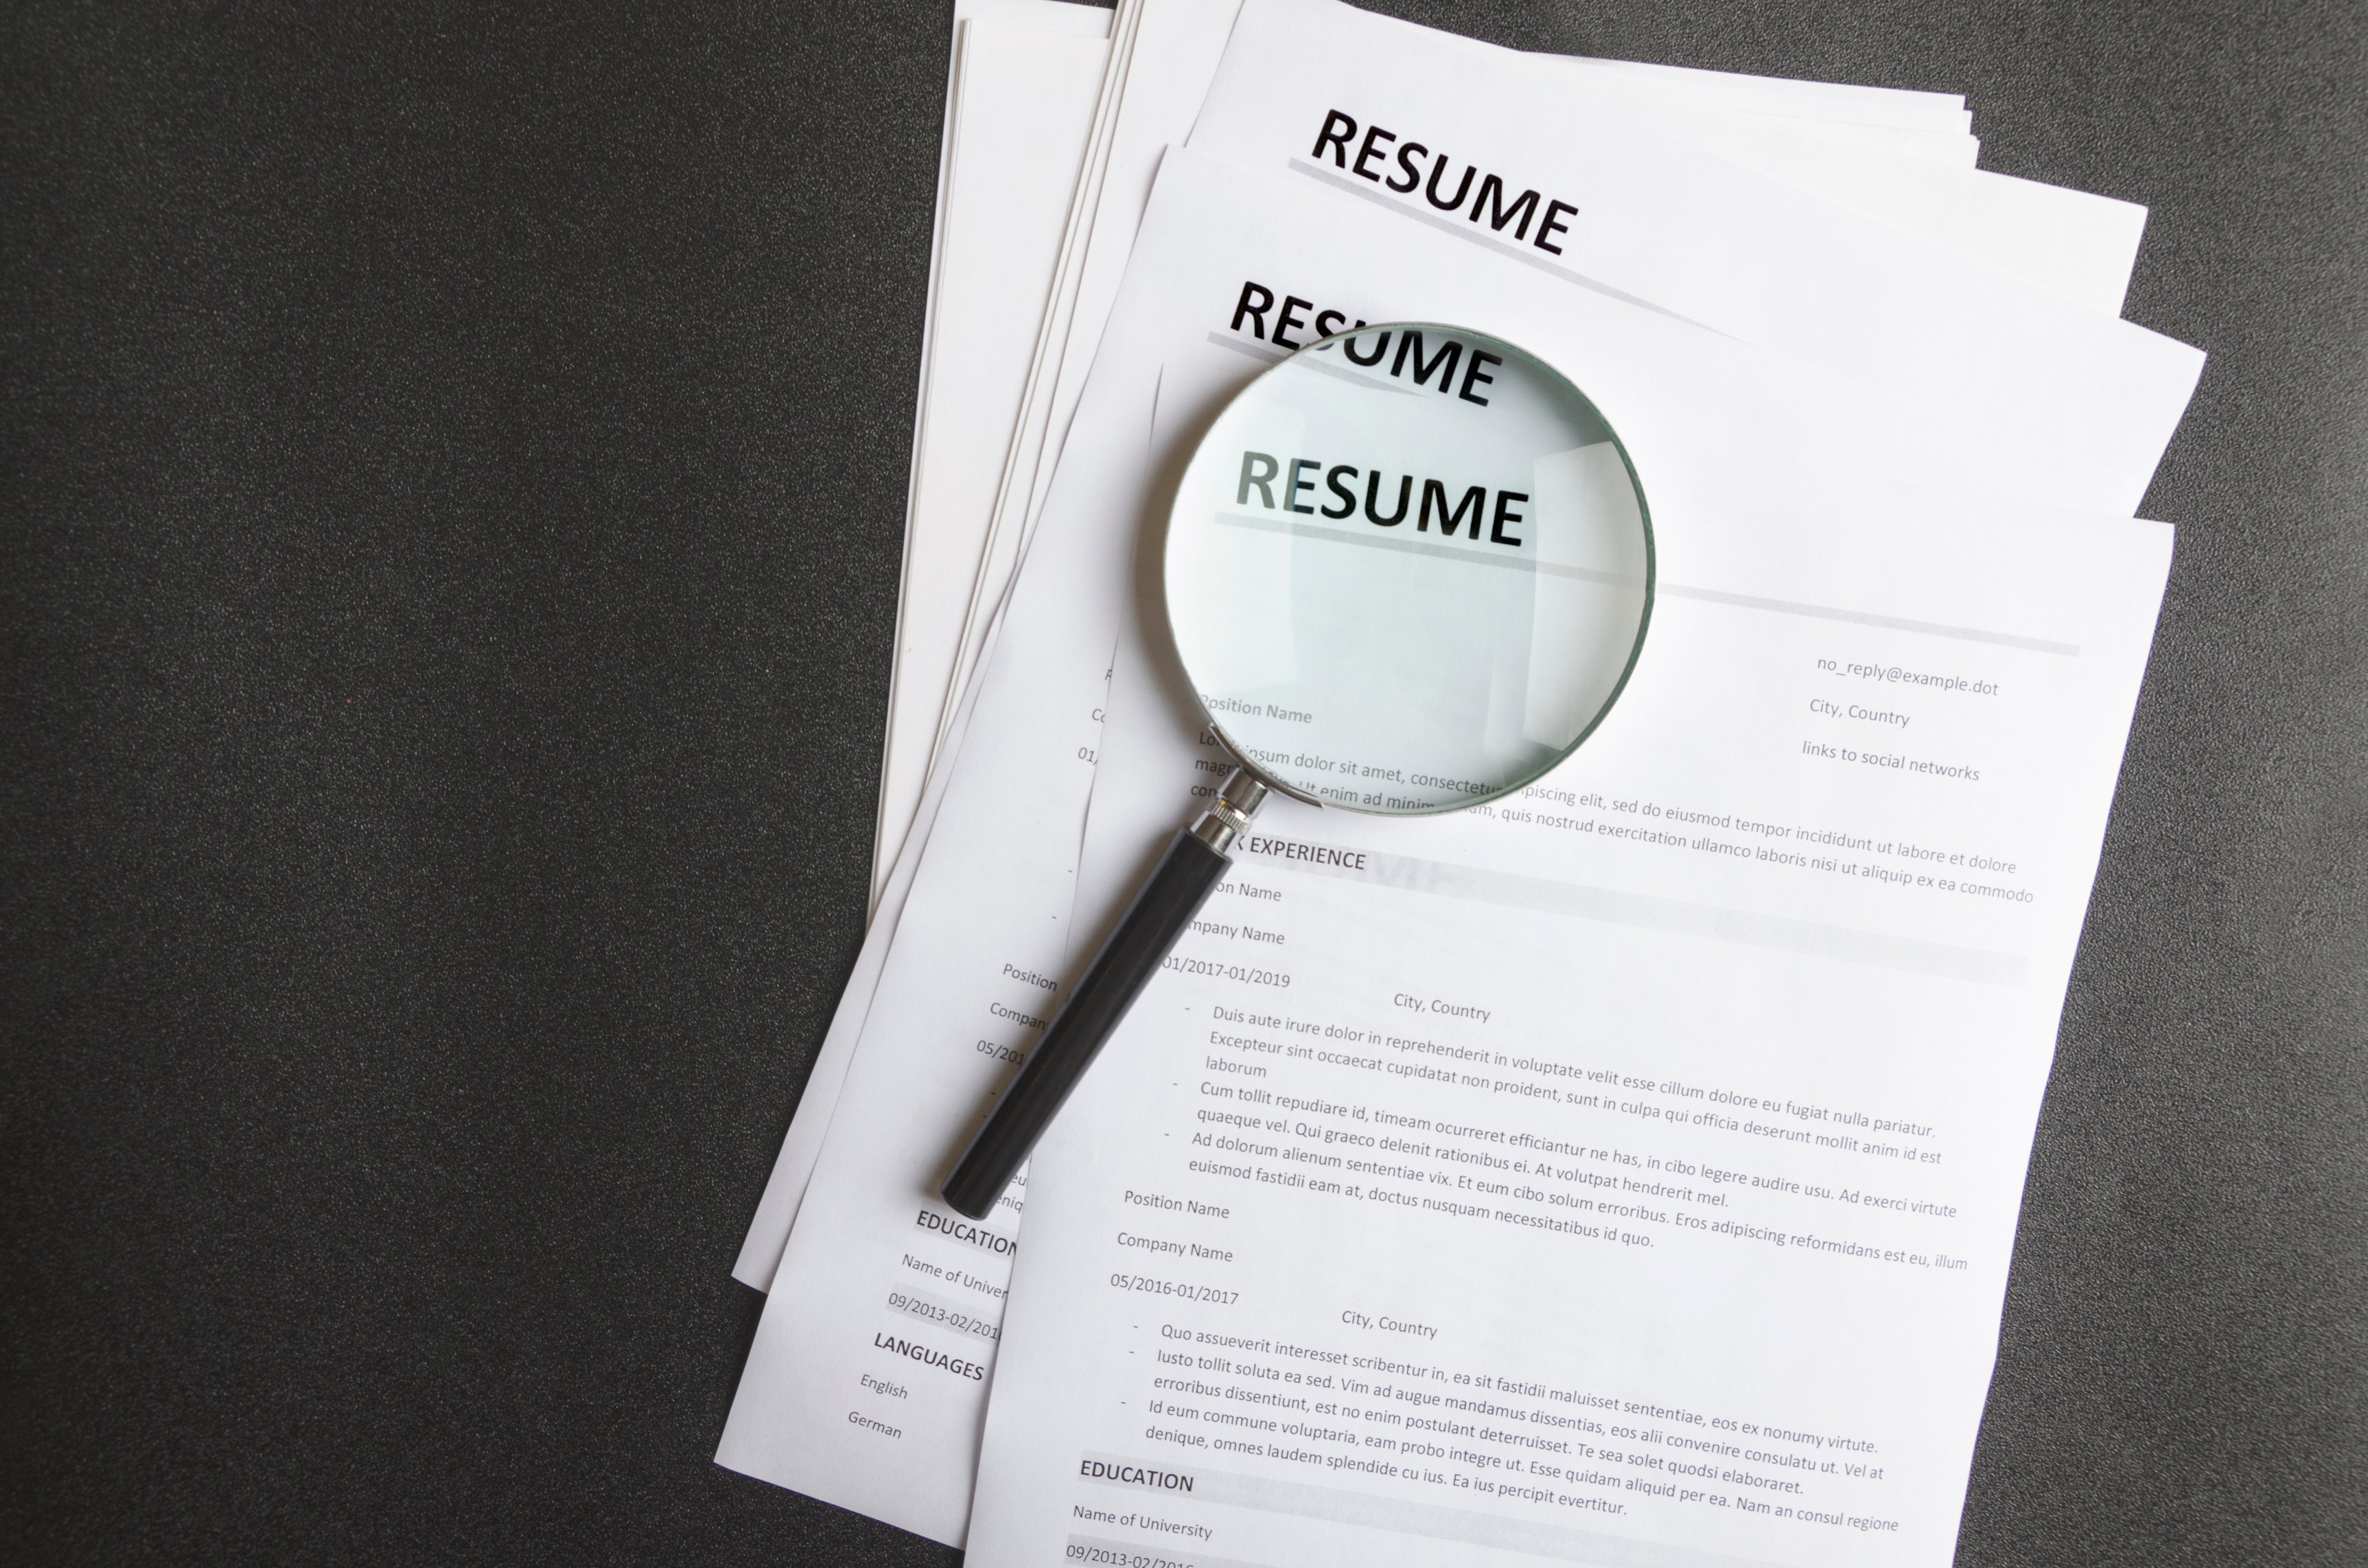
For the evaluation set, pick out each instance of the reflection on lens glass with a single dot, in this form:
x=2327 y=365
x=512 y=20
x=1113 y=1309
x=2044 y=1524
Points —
x=1408 y=568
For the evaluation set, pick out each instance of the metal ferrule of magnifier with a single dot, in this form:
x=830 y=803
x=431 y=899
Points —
x=1196 y=861
x=1228 y=816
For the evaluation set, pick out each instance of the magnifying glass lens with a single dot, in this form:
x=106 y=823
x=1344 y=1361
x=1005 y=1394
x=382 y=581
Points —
x=1408 y=569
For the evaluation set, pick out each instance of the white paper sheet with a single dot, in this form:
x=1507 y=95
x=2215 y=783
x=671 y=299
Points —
x=981 y=938
x=916 y=725
x=1000 y=219
x=1020 y=108
x=1003 y=539
x=1626 y=1173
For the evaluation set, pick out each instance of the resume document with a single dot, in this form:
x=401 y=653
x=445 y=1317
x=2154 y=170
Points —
x=1626 y=1171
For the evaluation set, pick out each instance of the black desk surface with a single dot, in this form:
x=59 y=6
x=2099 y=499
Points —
x=453 y=461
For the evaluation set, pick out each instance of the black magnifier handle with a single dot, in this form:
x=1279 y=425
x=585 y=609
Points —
x=1195 y=863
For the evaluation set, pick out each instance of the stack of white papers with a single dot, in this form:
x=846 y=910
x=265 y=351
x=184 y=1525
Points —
x=1626 y=1173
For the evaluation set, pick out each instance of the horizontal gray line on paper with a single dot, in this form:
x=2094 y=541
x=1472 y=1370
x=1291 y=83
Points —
x=1475 y=557
x=1264 y=352
x=1486 y=242
x=1863 y=618
x=1408 y=1515
x=1717 y=923
x=1662 y=589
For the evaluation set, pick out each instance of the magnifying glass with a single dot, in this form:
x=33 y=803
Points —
x=1409 y=569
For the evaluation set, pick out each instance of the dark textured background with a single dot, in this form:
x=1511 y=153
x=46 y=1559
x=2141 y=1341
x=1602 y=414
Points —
x=450 y=469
